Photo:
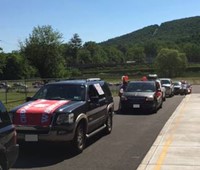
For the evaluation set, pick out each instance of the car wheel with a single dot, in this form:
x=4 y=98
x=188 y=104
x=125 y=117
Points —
x=154 y=109
x=79 y=138
x=2 y=163
x=109 y=123
x=164 y=98
x=161 y=104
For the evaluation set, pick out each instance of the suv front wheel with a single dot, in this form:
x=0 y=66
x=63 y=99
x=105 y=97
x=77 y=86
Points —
x=79 y=138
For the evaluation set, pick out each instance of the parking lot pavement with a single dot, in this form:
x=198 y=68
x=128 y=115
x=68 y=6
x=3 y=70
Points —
x=177 y=147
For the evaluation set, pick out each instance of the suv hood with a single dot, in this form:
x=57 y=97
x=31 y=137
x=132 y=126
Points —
x=39 y=112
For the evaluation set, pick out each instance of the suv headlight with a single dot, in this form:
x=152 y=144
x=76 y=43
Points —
x=65 y=118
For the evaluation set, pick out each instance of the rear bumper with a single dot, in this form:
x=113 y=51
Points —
x=138 y=106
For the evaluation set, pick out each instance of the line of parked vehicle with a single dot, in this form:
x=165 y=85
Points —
x=150 y=92
x=74 y=110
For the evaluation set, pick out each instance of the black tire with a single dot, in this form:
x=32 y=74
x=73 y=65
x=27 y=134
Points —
x=79 y=138
x=164 y=98
x=109 y=123
x=2 y=163
x=154 y=109
x=161 y=104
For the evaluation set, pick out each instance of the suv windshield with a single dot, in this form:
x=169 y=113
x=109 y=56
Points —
x=61 y=92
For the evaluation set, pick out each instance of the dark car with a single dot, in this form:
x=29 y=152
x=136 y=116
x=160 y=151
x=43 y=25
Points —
x=70 y=110
x=8 y=147
x=141 y=95
x=186 y=88
x=177 y=87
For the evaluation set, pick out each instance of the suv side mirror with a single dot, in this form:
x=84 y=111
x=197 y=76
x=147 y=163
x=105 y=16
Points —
x=28 y=99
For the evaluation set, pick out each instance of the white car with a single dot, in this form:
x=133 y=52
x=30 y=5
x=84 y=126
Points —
x=169 y=87
x=163 y=89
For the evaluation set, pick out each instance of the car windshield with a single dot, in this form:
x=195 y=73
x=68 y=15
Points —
x=165 y=82
x=141 y=87
x=61 y=92
x=177 y=83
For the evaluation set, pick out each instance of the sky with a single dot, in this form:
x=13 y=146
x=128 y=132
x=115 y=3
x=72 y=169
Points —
x=92 y=20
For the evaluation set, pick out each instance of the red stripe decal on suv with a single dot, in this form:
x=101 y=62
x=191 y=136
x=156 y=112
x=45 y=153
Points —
x=38 y=112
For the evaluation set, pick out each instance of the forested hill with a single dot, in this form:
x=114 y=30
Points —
x=187 y=29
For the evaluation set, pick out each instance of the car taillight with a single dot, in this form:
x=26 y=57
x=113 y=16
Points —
x=158 y=94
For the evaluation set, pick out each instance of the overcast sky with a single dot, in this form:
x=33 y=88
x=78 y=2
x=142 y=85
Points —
x=92 y=20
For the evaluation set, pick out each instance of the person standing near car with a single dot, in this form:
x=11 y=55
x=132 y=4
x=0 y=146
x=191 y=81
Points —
x=122 y=88
x=123 y=85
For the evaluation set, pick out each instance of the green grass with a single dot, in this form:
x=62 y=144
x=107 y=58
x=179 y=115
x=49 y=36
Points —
x=13 y=99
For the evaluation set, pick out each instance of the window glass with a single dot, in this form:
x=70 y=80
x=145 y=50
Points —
x=61 y=92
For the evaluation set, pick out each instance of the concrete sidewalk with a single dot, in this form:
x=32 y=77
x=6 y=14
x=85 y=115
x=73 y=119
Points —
x=178 y=145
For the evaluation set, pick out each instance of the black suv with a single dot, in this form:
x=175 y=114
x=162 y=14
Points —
x=8 y=147
x=70 y=110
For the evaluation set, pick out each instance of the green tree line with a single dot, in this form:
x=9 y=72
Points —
x=44 y=54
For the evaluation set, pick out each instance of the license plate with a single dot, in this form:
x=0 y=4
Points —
x=136 y=106
x=31 y=138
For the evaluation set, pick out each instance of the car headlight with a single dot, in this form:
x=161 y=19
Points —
x=65 y=118
x=150 y=98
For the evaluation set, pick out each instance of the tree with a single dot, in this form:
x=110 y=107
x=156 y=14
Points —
x=114 y=55
x=97 y=54
x=192 y=52
x=75 y=45
x=43 y=51
x=150 y=49
x=170 y=63
x=136 y=54
x=2 y=63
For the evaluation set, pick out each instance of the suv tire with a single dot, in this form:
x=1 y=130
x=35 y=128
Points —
x=79 y=138
x=109 y=122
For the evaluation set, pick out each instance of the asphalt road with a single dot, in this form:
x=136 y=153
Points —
x=124 y=148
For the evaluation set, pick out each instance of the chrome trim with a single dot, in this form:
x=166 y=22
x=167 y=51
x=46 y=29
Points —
x=96 y=131
x=6 y=128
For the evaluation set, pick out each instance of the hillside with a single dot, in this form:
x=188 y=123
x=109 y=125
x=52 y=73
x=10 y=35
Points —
x=176 y=30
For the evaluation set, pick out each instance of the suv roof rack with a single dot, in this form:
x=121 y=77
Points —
x=93 y=79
